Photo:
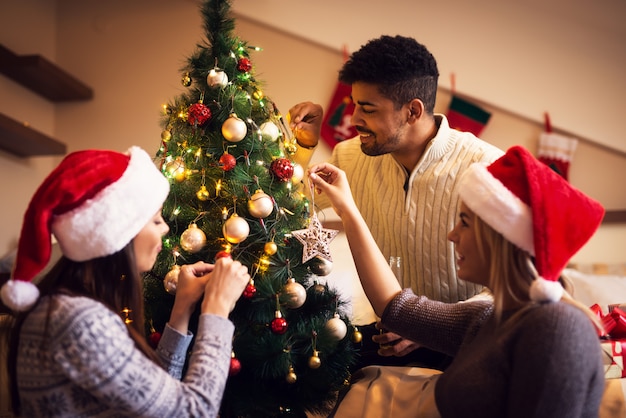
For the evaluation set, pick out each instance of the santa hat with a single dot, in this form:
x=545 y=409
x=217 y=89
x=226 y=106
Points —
x=534 y=208
x=94 y=203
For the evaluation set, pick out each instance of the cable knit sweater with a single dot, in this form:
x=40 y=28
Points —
x=542 y=361
x=89 y=366
x=414 y=224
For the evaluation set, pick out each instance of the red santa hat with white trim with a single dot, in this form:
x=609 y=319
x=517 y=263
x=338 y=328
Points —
x=534 y=208
x=94 y=203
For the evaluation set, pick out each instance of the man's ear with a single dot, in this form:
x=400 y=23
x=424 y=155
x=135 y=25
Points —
x=416 y=109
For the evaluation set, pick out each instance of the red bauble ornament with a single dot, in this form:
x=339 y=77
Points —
x=244 y=65
x=199 y=114
x=279 y=325
x=155 y=337
x=235 y=367
x=228 y=162
x=249 y=291
x=222 y=254
x=282 y=168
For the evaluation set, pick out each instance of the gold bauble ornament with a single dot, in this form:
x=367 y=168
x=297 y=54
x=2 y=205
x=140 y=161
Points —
x=321 y=266
x=314 y=360
x=270 y=248
x=170 y=281
x=319 y=288
x=234 y=129
x=235 y=229
x=202 y=194
x=260 y=204
x=270 y=129
x=295 y=294
x=186 y=80
x=290 y=147
x=217 y=78
x=336 y=327
x=192 y=239
x=176 y=169
x=291 y=376
x=166 y=135
x=357 y=337
x=258 y=94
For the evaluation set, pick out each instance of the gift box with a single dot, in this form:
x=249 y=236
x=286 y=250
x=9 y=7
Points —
x=613 y=339
x=613 y=358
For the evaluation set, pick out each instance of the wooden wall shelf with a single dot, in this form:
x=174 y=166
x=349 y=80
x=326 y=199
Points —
x=21 y=140
x=43 y=77
x=614 y=216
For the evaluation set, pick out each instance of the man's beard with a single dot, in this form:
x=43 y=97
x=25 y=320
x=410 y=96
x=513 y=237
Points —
x=374 y=148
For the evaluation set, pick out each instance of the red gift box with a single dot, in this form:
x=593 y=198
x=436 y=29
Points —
x=613 y=340
x=613 y=358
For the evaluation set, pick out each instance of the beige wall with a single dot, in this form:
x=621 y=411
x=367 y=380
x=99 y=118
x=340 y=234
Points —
x=130 y=54
x=525 y=56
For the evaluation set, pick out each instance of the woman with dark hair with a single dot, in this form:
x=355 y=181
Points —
x=78 y=345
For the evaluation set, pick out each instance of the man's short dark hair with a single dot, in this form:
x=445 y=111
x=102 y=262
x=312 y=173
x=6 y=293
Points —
x=402 y=68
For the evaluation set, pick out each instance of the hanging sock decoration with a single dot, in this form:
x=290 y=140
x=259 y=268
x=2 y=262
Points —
x=464 y=115
x=556 y=150
x=336 y=126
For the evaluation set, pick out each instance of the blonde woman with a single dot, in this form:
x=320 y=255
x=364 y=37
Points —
x=531 y=351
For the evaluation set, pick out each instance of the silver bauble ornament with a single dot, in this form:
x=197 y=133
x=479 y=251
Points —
x=235 y=229
x=217 y=78
x=336 y=327
x=260 y=204
x=294 y=294
x=192 y=239
x=298 y=173
x=270 y=129
x=170 y=281
x=234 y=129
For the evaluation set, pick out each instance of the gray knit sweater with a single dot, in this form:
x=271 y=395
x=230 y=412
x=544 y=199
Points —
x=414 y=224
x=542 y=361
x=89 y=366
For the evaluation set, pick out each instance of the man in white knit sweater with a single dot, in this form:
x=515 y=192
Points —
x=403 y=170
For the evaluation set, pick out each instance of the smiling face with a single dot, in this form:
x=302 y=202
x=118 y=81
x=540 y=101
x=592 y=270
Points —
x=382 y=127
x=472 y=265
x=147 y=244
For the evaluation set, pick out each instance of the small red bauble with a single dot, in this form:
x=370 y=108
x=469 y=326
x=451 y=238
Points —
x=235 y=367
x=222 y=254
x=282 y=168
x=249 y=291
x=155 y=337
x=228 y=162
x=244 y=65
x=279 y=326
x=199 y=114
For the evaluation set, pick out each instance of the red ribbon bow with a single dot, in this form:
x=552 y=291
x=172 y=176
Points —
x=614 y=322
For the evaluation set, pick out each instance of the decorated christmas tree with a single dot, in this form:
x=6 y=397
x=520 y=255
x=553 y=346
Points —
x=236 y=192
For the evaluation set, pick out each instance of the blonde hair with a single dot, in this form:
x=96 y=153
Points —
x=512 y=271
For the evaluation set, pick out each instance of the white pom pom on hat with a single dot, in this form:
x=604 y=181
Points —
x=534 y=208
x=94 y=203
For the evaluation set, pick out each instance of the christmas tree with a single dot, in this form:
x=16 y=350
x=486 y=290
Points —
x=236 y=192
